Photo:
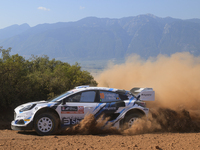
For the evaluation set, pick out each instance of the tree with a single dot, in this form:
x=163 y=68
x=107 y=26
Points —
x=36 y=79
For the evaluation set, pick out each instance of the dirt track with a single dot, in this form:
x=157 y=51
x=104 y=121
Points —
x=29 y=140
x=162 y=133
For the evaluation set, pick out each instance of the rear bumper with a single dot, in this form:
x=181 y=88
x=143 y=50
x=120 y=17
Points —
x=21 y=127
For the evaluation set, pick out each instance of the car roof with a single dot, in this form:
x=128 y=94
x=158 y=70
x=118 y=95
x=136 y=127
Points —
x=77 y=89
x=85 y=88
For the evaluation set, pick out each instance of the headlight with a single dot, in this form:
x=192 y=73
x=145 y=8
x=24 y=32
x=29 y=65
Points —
x=29 y=107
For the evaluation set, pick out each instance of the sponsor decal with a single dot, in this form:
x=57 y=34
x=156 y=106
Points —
x=146 y=94
x=73 y=91
x=69 y=108
x=26 y=119
x=72 y=110
x=109 y=108
x=71 y=121
x=20 y=116
x=102 y=96
x=24 y=115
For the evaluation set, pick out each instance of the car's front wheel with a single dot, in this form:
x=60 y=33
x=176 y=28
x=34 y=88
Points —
x=46 y=124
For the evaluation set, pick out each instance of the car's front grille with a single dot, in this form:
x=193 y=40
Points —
x=19 y=121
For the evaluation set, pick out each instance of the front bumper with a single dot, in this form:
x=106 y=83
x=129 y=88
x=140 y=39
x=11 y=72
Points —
x=15 y=126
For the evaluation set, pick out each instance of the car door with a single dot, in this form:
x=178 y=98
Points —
x=111 y=102
x=77 y=106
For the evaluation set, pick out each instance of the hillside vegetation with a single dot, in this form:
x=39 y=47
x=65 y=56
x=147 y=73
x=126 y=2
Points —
x=36 y=79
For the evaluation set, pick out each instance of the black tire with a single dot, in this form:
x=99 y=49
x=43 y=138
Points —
x=46 y=124
x=129 y=119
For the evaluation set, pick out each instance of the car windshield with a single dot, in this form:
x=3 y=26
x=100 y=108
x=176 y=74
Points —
x=60 y=96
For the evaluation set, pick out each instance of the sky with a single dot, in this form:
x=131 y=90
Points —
x=34 y=12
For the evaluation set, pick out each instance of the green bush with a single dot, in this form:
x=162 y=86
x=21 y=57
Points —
x=36 y=79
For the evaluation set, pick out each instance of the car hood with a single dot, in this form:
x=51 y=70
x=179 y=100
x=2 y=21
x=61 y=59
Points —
x=29 y=103
x=43 y=102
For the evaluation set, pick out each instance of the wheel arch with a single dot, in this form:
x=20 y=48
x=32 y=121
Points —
x=46 y=110
x=135 y=110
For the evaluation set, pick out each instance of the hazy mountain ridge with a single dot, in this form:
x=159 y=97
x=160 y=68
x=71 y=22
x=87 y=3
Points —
x=13 y=30
x=103 y=38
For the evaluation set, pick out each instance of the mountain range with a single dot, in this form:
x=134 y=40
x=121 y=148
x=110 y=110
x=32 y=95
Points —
x=101 y=39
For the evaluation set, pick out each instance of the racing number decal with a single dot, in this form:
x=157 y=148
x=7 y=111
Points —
x=102 y=96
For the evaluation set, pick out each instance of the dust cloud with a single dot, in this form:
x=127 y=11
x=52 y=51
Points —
x=175 y=79
x=89 y=125
x=176 y=82
x=159 y=120
x=165 y=120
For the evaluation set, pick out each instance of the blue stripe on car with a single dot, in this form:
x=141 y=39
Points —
x=101 y=110
x=122 y=111
x=49 y=105
x=97 y=106
x=111 y=89
x=130 y=100
x=112 y=103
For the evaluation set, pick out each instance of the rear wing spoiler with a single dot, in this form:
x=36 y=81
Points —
x=144 y=94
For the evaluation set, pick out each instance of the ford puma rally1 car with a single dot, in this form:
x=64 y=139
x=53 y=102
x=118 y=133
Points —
x=69 y=108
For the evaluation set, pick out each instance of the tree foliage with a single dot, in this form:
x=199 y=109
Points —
x=36 y=79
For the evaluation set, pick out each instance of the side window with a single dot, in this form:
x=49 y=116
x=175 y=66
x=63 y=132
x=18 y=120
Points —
x=109 y=96
x=88 y=96
x=123 y=97
x=74 y=98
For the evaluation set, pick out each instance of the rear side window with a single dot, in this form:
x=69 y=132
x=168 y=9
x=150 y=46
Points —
x=123 y=96
x=87 y=96
x=106 y=96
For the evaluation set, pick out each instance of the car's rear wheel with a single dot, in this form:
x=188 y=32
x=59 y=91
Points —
x=130 y=119
x=46 y=124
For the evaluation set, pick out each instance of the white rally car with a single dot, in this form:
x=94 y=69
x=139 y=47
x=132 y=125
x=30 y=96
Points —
x=69 y=108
